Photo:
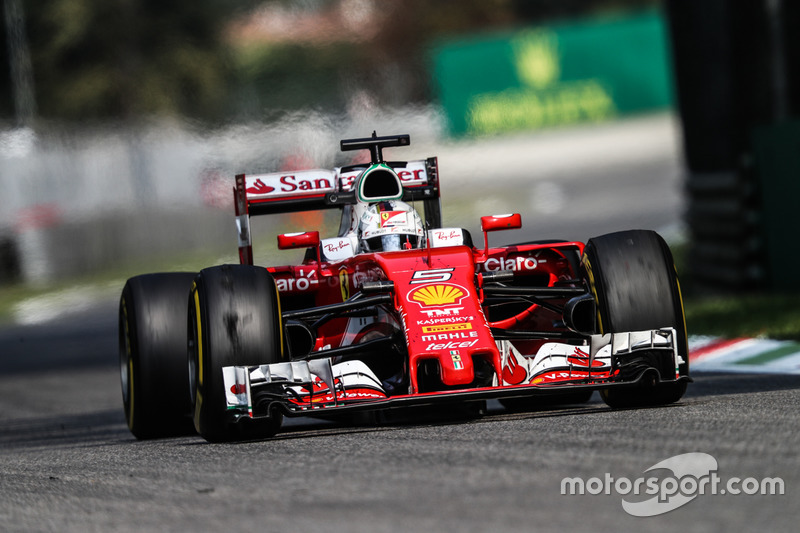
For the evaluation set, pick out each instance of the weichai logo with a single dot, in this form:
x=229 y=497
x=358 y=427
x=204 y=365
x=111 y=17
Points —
x=437 y=294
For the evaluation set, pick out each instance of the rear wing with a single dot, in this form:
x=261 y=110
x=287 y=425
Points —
x=312 y=190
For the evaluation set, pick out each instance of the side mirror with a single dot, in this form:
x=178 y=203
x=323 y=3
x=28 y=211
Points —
x=290 y=241
x=501 y=222
x=498 y=223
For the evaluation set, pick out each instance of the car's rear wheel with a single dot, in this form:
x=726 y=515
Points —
x=633 y=279
x=234 y=320
x=152 y=354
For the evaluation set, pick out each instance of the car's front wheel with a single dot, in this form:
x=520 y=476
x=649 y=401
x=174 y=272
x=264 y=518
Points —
x=234 y=320
x=633 y=280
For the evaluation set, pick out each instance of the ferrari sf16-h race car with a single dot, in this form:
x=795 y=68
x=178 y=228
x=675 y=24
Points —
x=395 y=311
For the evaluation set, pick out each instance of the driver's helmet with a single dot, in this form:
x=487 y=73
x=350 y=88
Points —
x=389 y=226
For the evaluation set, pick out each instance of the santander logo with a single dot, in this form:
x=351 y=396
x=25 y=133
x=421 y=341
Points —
x=320 y=181
x=259 y=187
x=304 y=182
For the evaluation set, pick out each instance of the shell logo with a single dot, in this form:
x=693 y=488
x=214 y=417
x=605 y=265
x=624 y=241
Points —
x=438 y=294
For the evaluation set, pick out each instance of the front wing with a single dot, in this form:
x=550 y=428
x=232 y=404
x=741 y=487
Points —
x=308 y=387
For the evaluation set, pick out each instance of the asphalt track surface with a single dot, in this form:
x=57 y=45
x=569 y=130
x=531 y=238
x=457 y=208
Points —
x=68 y=462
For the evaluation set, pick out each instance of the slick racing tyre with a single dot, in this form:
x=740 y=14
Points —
x=152 y=355
x=234 y=319
x=632 y=277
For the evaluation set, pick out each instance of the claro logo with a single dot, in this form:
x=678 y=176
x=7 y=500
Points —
x=495 y=264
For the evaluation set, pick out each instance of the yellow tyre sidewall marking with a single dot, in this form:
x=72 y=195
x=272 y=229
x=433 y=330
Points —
x=198 y=322
x=593 y=288
x=130 y=365
x=680 y=299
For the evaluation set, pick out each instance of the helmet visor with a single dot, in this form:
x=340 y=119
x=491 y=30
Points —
x=391 y=243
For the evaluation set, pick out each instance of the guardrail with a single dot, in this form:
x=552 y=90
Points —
x=723 y=217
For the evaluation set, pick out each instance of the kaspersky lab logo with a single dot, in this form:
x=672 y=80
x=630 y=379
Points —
x=692 y=475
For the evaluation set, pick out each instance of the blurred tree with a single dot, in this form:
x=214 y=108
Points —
x=281 y=76
x=20 y=80
x=6 y=96
x=378 y=51
x=112 y=59
x=119 y=59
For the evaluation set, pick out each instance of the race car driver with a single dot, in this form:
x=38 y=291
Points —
x=390 y=226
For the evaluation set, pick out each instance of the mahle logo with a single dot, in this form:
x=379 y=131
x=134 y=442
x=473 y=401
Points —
x=537 y=59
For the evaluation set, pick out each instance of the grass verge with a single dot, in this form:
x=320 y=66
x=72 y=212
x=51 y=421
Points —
x=776 y=316
x=106 y=283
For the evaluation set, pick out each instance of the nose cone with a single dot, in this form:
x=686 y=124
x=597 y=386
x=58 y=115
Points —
x=442 y=313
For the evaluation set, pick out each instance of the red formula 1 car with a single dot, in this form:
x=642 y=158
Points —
x=394 y=311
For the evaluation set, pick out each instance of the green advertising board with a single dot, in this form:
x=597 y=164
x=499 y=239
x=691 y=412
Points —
x=539 y=77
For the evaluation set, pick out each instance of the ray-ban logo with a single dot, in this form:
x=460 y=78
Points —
x=672 y=483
